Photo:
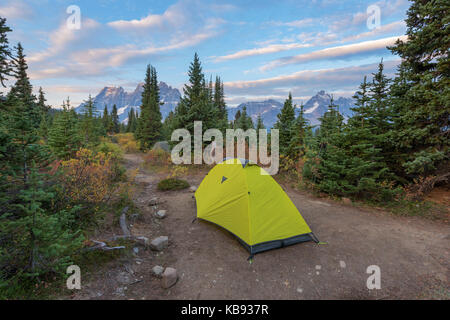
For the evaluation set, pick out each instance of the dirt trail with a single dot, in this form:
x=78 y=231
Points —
x=412 y=254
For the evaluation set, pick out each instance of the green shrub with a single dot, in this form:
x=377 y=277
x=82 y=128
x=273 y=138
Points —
x=172 y=184
x=113 y=149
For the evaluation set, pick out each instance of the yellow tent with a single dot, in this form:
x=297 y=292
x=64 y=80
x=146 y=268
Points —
x=238 y=197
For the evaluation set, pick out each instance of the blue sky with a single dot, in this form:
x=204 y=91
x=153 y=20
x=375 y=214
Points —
x=261 y=49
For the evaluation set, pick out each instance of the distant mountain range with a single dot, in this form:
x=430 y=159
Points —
x=314 y=108
x=124 y=101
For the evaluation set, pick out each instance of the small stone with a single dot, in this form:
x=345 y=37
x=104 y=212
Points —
x=161 y=214
x=153 y=201
x=136 y=250
x=160 y=243
x=192 y=188
x=318 y=267
x=347 y=201
x=342 y=264
x=143 y=240
x=169 y=277
x=299 y=290
x=158 y=271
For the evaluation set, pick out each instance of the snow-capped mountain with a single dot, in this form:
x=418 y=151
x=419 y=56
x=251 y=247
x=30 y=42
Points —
x=314 y=108
x=268 y=110
x=124 y=101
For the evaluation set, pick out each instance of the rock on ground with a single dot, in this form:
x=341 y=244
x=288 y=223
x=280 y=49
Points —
x=169 y=277
x=143 y=241
x=161 y=214
x=161 y=145
x=192 y=188
x=157 y=271
x=153 y=201
x=160 y=243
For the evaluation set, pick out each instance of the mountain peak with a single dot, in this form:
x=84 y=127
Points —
x=124 y=101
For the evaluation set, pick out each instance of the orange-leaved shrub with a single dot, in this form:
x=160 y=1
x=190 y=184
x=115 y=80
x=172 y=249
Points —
x=92 y=181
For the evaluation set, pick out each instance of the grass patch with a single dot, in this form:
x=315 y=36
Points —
x=172 y=184
x=425 y=209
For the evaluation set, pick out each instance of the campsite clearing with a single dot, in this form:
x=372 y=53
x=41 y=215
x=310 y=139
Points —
x=412 y=253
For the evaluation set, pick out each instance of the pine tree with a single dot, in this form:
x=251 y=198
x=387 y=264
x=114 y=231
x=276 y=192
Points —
x=259 y=123
x=196 y=104
x=5 y=53
x=244 y=122
x=220 y=105
x=44 y=108
x=194 y=90
x=105 y=119
x=331 y=168
x=132 y=121
x=64 y=137
x=420 y=95
x=299 y=129
x=286 y=119
x=22 y=88
x=237 y=116
x=115 y=120
x=88 y=128
x=35 y=237
x=168 y=126
x=379 y=104
x=367 y=175
x=149 y=125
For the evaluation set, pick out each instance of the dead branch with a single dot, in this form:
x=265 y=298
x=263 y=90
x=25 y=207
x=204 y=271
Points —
x=123 y=222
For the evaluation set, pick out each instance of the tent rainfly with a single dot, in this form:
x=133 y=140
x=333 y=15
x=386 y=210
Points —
x=245 y=200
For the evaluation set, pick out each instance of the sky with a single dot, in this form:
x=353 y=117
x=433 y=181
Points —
x=261 y=49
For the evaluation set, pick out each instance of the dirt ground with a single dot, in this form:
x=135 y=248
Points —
x=412 y=253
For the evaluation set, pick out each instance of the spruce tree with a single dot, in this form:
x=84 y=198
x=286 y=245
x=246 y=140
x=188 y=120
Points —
x=299 y=129
x=88 y=124
x=36 y=238
x=259 y=123
x=237 y=116
x=22 y=88
x=331 y=168
x=284 y=124
x=220 y=105
x=44 y=108
x=115 y=120
x=149 y=125
x=420 y=95
x=197 y=103
x=132 y=122
x=64 y=136
x=5 y=53
x=105 y=119
x=244 y=121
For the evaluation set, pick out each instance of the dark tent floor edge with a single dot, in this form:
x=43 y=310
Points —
x=269 y=245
